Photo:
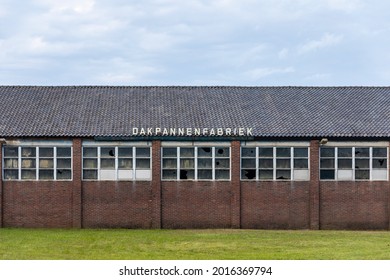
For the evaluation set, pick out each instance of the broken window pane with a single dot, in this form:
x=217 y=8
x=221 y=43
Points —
x=283 y=174
x=63 y=174
x=362 y=152
x=222 y=163
x=248 y=152
x=222 y=152
x=379 y=163
x=248 y=174
x=186 y=174
x=107 y=152
x=205 y=152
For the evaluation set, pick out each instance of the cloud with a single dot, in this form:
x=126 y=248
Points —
x=326 y=40
x=258 y=73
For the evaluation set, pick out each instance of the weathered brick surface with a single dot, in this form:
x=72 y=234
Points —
x=196 y=204
x=37 y=204
x=110 y=204
x=354 y=205
x=275 y=205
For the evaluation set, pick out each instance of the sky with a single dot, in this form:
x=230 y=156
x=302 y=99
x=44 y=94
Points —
x=195 y=43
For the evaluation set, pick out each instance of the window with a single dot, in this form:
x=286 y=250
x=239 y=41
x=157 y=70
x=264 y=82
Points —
x=196 y=163
x=116 y=162
x=274 y=163
x=353 y=163
x=37 y=162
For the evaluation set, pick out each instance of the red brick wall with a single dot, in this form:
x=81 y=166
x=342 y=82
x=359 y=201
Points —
x=354 y=205
x=110 y=204
x=275 y=205
x=201 y=204
x=37 y=204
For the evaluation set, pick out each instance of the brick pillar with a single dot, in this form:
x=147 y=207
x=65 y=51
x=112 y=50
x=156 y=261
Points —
x=77 y=184
x=156 y=184
x=236 y=185
x=1 y=185
x=314 y=185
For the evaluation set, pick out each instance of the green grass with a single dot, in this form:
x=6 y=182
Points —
x=17 y=244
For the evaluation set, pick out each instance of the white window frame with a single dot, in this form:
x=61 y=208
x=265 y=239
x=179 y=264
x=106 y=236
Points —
x=353 y=146
x=195 y=146
x=274 y=145
x=37 y=145
x=116 y=145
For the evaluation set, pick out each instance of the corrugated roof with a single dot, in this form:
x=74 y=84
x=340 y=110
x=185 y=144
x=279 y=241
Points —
x=271 y=111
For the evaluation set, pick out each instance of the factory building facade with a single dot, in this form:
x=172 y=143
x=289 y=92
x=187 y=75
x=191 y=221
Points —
x=195 y=157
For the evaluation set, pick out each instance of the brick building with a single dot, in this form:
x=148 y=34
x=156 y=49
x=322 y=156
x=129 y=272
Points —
x=195 y=157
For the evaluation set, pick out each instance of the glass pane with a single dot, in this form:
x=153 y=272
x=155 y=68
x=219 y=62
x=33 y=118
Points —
x=107 y=152
x=327 y=152
x=187 y=163
x=301 y=164
x=90 y=163
x=46 y=163
x=64 y=163
x=300 y=152
x=362 y=163
x=64 y=174
x=379 y=163
x=362 y=174
x=205 y=163
x=125 y=152
x=187 y=174
x=362 y=152
x=10 y=174
x=222 y=163
x=248 y=174
x=266 y=152
x=187 y=152
x=142 y=152
x=327 y=174
x=90 y=152
x=222 y=174
x=283 y=174
x=379 y=152
x=28 y=152
x=327 y=163
x=107 y=163
x=283 y=152
x=11 y=151
x=28 y=163
x=169 y=152
x=248 y=163
x=266 y=174
x=248 y=152
x=169 y=163
x=283 y=163
x=28 y=174
x=142 y=163
x=11 y=163
x=90 y=174
x=169 y=174
x=126 y=163
x=46 y=152
x=205 y=175
x=344 y=152
x=266 y=163
x=64 y=152
x=204 y=152
x=344 y=163
x=46 y=174
x=222 y=152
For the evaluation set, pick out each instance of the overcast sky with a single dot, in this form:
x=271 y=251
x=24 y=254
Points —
x=213 y=42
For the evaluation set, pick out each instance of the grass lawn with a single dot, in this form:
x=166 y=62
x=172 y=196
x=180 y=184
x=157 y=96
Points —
x=222 y=244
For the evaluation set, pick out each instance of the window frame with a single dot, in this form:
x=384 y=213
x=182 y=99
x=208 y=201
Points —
x=353 y=146
x=37 y=146
x=275 y=146
x=195 y=146
x=116 y=169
